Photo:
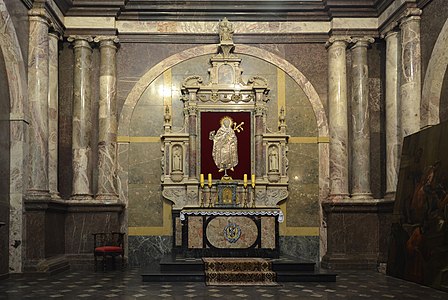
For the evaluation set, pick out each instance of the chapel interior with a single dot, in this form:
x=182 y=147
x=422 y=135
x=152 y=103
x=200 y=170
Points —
x=204 y=130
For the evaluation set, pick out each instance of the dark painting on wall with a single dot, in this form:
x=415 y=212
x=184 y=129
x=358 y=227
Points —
x=419 y=237
x=211 y=122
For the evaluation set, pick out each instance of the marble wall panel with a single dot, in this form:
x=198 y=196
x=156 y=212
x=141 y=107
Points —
x=144 y=163
x=4 y=169
x=135 y=59
x=79 y=226
x=195 y=232
x=303 y=200
x=300 y=117
x=145 y=207
x=305 y=247
x=311 y=60
x=54 y=233
x=148 y=250
x=377 y=139
x=147 y=119
x=432 y=20
x=268 y=232
x=35 y=224
x=19 y=16
x=65 y=174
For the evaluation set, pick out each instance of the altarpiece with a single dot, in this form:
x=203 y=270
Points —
x=225 y=172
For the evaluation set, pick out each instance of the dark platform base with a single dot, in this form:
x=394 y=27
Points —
x=179 y=269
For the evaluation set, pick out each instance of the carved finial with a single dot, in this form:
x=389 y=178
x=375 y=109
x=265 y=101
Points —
x=167 y=118
x=226 y=38
x=225 y=32
x=281 y=119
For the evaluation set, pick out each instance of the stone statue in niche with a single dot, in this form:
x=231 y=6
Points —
x=177 y=159
x=225 y=144
x=273 y=159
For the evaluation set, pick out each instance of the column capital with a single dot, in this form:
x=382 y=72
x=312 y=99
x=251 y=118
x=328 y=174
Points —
x=75 y=38
x=106 y=38
x=39 y=14
x=389 y=34
x=55 y=34
x=410 y=14
x=338 y=40
x=363 y=41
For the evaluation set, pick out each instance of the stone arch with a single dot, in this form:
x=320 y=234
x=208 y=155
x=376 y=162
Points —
x=17 y=83
x=296 y=75
x=309 y=90
x=432 y=85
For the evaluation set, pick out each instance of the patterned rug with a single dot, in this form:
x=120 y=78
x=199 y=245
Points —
x=238 y=271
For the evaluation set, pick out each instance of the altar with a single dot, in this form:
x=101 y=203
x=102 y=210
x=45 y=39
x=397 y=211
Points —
x=225 y=172
x=239 y=232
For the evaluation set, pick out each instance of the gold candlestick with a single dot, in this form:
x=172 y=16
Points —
x=210 y=190
x=253 y=190
x=201 y=180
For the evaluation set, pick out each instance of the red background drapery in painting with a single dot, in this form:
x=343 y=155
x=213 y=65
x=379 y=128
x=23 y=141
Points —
x=210 y=122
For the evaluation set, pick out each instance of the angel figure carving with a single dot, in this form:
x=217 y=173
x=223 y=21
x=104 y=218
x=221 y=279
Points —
x=225 y=144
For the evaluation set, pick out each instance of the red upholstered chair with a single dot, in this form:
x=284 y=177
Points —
x=108 y=245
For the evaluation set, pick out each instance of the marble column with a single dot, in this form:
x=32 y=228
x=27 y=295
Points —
x=393 y=131
x=53 y=99
x=192 y=123
x=107 y=116
x=338 y=123
x=360 y=120
x=82 y=118
x=260 y=165
x=410 y=90
x=38 y=104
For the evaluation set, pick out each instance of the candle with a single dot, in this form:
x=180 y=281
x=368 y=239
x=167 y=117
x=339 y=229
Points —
x=209 y=179
x=253 y=180
x=202 y=180
x=245 y=180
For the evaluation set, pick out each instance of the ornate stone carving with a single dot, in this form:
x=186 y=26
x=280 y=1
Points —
x=274 y=196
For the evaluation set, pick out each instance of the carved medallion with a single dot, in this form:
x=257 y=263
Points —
x=232 y=232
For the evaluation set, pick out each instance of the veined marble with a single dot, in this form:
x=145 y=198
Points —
x=38 y=99
x=152 y=74
x=354 y=23
x=435 y=72
x=337 y=95
x=82 y=119
x=15 y=68
x=89 y=22
x=107 y=115
x=410 y=72
x=393 y=131
x=53 y=99
x=360 y=120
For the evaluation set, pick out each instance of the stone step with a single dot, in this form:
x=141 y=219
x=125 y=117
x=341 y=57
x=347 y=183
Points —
x=237 y=264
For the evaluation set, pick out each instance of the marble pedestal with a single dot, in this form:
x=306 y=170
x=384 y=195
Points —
x=59 y=232
x=358 y=232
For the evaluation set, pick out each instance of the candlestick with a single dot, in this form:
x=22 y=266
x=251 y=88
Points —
x=245 y=180
x=201 y=180
x=253 y=180
x=209 y=179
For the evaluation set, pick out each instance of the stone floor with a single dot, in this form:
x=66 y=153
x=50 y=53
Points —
x=128 y=285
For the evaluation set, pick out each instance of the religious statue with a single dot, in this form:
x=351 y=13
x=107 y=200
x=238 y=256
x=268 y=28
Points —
x=177 y=158
x=273 y=159
x=225 y=31
x=225 y=144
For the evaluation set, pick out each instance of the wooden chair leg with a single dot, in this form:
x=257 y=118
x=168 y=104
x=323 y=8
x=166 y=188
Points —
x=104 y=262
x=95 y=262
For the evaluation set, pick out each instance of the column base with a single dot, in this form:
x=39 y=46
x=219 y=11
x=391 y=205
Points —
x=361 y=196
x=338 y=197
x=81 y=197
x=357 y=232
x=349 y=261
x=389 y=195
x=107 y=197
x=37 y=195
x=55 y=196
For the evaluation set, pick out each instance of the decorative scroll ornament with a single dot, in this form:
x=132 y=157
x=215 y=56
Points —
x=232 y=232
